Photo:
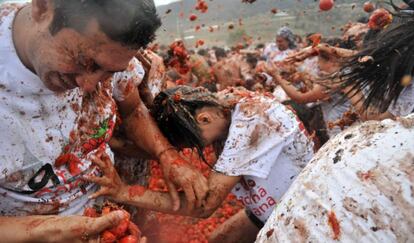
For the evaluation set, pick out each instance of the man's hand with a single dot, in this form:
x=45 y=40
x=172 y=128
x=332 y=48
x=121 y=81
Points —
x=111 y=184
x=178 y=172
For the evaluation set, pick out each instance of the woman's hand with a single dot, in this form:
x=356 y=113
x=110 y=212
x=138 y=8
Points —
x=177 y=171
x=110 y=182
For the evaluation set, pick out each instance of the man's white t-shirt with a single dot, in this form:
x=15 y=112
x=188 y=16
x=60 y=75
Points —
x=34 y=125
x=268 y=147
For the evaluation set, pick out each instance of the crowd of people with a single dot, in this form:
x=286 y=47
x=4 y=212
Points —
x=312 y=134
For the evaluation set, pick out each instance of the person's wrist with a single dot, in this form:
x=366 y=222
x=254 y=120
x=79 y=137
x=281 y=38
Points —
x=122 y=195
x=166 y=154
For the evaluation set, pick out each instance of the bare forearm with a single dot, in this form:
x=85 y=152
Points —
x=141 y=127
x=27 y=229
x=17 y=229
x=157 y=201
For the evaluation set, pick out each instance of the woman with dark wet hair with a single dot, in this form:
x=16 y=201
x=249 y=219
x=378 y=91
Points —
x=380 y=76
x=261 y=144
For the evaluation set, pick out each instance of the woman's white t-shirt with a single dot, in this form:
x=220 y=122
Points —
x=267 y=145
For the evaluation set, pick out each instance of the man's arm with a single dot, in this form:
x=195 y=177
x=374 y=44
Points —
x=316 y=94
x=56 y=228
x=144 y=132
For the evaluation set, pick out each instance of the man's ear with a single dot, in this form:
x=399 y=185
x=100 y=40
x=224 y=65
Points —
x=203 y=118
x=42 y=9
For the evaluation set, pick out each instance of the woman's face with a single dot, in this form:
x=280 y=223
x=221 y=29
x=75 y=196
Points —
x=282 y=43
x=213 y=123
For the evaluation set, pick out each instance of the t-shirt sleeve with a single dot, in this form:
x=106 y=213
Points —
x=254 y=143
x=405 y=103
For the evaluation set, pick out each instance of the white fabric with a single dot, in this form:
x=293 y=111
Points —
x=280 y=94
x=268 y=147
x=34 y=127
x=124 y=82
x=279 y=56
x=270 y=48
x=272 y=53
x=405 y=102
x=361 y=181
x=332 y=111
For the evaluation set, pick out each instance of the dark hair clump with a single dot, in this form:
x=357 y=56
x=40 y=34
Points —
x=391 y=57
x=174 y=110
x=130 y=22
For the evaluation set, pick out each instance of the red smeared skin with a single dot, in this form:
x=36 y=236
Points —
x=134 y=230
x=334 y=223
x=178 y=162
x=136 y=191
x=120 y=229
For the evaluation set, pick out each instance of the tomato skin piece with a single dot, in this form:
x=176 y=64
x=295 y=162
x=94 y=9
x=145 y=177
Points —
x=326 y=5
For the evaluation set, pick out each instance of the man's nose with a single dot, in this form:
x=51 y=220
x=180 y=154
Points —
x=88 y=81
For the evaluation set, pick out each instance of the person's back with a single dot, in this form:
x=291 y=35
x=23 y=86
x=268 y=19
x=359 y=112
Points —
x=226 y=74
x=201 y=69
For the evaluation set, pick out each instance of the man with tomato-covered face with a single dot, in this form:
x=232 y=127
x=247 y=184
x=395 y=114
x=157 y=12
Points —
x=57 y=58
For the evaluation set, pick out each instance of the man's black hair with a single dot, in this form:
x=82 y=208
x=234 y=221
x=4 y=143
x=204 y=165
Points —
x=251 y=60
x=130 y=22
x=202 y=52
x=220 y=53
x=391 y=58
x=260 y=46
x=335 y=41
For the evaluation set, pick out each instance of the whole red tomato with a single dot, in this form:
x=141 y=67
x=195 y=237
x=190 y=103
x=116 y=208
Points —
x=193 y=17
x=326 y=5
x=369 y=7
